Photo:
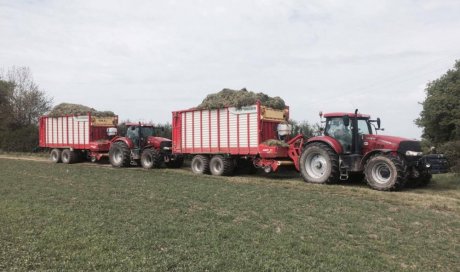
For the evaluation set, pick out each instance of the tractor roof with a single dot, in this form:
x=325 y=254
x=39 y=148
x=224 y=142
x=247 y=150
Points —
x=341 y=114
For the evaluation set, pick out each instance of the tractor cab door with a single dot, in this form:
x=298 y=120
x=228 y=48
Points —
x=337 y=129
x=363 y=128
x=133 y=134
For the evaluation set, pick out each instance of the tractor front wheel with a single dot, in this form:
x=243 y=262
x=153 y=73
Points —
x=119 y=155
x=151 y=158
x=385 y=172
x=319 y=164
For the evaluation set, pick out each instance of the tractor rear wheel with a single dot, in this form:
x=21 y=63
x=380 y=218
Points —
x=68 y=156
x=55 y=155
x=319 y=164
x=151 y=158
x=200 y=164
x=385 y=172
x=119 y=155
x=221 y=166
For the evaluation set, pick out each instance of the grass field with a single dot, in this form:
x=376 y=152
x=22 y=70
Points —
x=82 y=217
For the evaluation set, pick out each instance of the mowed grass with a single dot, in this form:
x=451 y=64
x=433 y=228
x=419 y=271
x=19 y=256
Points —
x=81 y=217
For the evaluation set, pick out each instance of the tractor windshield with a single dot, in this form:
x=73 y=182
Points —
x=147 y=131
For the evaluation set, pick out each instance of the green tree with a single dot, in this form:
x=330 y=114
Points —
x=6 y=91
x=440 y=117
x=303 y=127
x=21 y=104
x=28 y=102
x=164 y=130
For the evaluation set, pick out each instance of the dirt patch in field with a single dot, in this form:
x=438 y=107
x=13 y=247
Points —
x=7 y=157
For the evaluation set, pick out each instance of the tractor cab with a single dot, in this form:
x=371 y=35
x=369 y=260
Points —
x=350 y=130
x=139 y=134
x=350 y=145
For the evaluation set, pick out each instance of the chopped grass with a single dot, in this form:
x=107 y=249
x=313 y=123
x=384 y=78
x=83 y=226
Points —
x=241 y=98
x=79 y=217
x=77 y=109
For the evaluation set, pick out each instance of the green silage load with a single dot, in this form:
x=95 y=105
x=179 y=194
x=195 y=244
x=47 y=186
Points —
x=241 y=98
x=77 y=109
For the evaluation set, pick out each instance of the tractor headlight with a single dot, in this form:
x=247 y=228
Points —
x=166 y=148
x=413 y=153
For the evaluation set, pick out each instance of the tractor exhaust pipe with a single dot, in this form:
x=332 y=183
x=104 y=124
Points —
x=355 y=133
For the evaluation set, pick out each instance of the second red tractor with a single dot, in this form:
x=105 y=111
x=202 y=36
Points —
x=139 y=145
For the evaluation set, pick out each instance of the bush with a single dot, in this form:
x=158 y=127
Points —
x=24 y=139
x=452 y=151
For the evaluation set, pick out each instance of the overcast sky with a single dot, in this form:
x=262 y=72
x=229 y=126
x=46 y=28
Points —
x=143 y=59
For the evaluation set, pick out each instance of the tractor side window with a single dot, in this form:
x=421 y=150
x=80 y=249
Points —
x=332 y=125
x=363 y=127
x=335 y=128
x=132 y=132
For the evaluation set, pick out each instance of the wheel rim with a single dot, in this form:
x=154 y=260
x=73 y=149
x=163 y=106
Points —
x=381 y=173
x=65 y=157
x=197 y=166
x=217 y=166
x=148 y=161
x=54 y=156
x=316 y=165
x=117 y=156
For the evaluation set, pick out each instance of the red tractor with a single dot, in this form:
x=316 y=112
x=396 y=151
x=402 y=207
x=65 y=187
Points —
x=349 y=145
x=141 y=146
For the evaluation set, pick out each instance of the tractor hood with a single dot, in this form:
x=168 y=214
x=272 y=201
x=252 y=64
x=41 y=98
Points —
x=391 y=143
x=159 y=142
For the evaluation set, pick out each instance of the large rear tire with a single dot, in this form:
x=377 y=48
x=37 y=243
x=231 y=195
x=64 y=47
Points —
x=220 y=166
x=200 y=164
x=119 y=155
x=319 y=164
x=55 y=155
x=151 y=158
x=385 y=172
x=68 y=156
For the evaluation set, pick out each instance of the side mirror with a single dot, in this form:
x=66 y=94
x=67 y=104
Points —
x=346 y=120
x=378 y=123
